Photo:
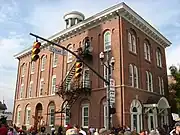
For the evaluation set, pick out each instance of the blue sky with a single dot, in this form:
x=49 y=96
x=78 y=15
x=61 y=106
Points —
x=45 y=17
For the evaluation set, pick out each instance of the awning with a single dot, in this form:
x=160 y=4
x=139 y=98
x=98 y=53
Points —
x=160 y=103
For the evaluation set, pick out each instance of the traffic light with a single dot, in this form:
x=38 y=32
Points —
x=35 y=51
x=112 y=110
x=78 y=69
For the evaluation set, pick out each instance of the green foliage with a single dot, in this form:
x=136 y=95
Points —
x=175 y=72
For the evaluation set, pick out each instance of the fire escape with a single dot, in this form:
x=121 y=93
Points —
x=75 y=85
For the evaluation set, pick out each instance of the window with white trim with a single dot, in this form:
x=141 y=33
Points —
x=28 y=115
x=159 y=57
x=105 y=74
x=69 y=55
x=43 y=62
x=132 y=42
x=85 y=116
x=53 y=88
x=41 y=87
x=30 y=89
x=18 y=116
x=23 y=70
x=32 y=67
x=21 y=90
x=67 y=115
x=161 y=85
x=133 y=76
x=149 y=81
x=52 y=114
x=147 y=51
x=107 y=41
x=55 y=59
x=105 y=115
x=86 y=78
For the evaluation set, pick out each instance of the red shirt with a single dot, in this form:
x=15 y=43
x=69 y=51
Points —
x=3 y=130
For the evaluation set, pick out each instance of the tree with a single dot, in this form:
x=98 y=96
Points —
x=174 y=87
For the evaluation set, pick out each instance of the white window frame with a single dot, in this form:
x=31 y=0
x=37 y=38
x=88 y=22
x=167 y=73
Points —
x=154 y=116
x=43 y=62
x=107 y=41
x=51 y=107
x=69 y=55
x=86 y=79
x=83 y=107
x=149 y=81
x=32 y=67
x=132 y=43
x=133 y=76
x=55 y=60
x=159 y=58
x=161 y=85
x=41 y=86
x=66 y=118
x=105 y=115
x=30 y=89
x=21 y=91
x=23 y=70
x=147 y=51
x=53 y=86
x=18 y=116
x=28 y=109
x=105 y=74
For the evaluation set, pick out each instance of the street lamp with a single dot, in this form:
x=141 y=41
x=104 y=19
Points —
x=109 y=64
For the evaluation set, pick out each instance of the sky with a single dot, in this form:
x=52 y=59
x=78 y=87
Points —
x=45 y=17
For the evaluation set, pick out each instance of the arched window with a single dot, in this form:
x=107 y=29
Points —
x=51 y=111
x=27 y=115
x=43 y=62
x=147 y=51
x=132 y=41
x=136 y=115
x=69 y=55
x=149 y=81
x=23 y=70
x=158 y=58
x=107 y=41
x=18 y=115
x=133 y=76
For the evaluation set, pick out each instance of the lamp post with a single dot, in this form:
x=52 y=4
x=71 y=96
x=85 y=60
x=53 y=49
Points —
x=109 y=64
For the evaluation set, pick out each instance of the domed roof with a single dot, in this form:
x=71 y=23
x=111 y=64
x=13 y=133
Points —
x=76 y=13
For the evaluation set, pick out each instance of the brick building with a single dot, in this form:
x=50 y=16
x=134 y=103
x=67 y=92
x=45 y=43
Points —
x=139 y=73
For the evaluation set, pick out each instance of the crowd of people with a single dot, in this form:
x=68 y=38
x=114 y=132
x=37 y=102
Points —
x=76 y=130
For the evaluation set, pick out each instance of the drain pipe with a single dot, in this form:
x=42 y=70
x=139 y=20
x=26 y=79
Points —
x=121 y=66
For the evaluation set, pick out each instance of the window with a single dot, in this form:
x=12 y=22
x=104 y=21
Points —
x=30 y=89
x=132 y=42
x=69 y=55
x=159 y=58
x=85 y=116
x=136 y=115
x=86 y=78
x=53 y=89
x=18 y=116
x=152 y=119
x=28 y=115
x=105 y=74
x=147 y=53
x=105 y=116
x=32 y=67
x=55 y=59
x=41 y=87
x=149 y=81
x=107 y=41
x=67 y=115
x=161 y=85
x=43 y=62
x=52 y=114
x=23 y=70
x=133 y=76
x=21 y=90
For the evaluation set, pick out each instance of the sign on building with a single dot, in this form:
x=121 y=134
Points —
x=112 y=92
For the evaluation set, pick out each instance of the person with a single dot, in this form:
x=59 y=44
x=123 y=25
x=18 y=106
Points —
x=3 y=129
x=176 y=130
x=82 y=131
x=60 y=131
x=10 y=132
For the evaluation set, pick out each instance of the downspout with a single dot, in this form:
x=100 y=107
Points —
x=121 y=67
x=15 y=96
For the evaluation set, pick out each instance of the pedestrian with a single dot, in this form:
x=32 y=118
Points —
x=176 y=130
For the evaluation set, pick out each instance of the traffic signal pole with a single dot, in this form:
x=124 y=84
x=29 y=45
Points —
x=64 y=48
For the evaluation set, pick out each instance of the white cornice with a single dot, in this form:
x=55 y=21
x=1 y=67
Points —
x=123 y=10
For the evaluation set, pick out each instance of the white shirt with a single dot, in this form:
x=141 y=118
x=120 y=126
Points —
x=83 y=132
